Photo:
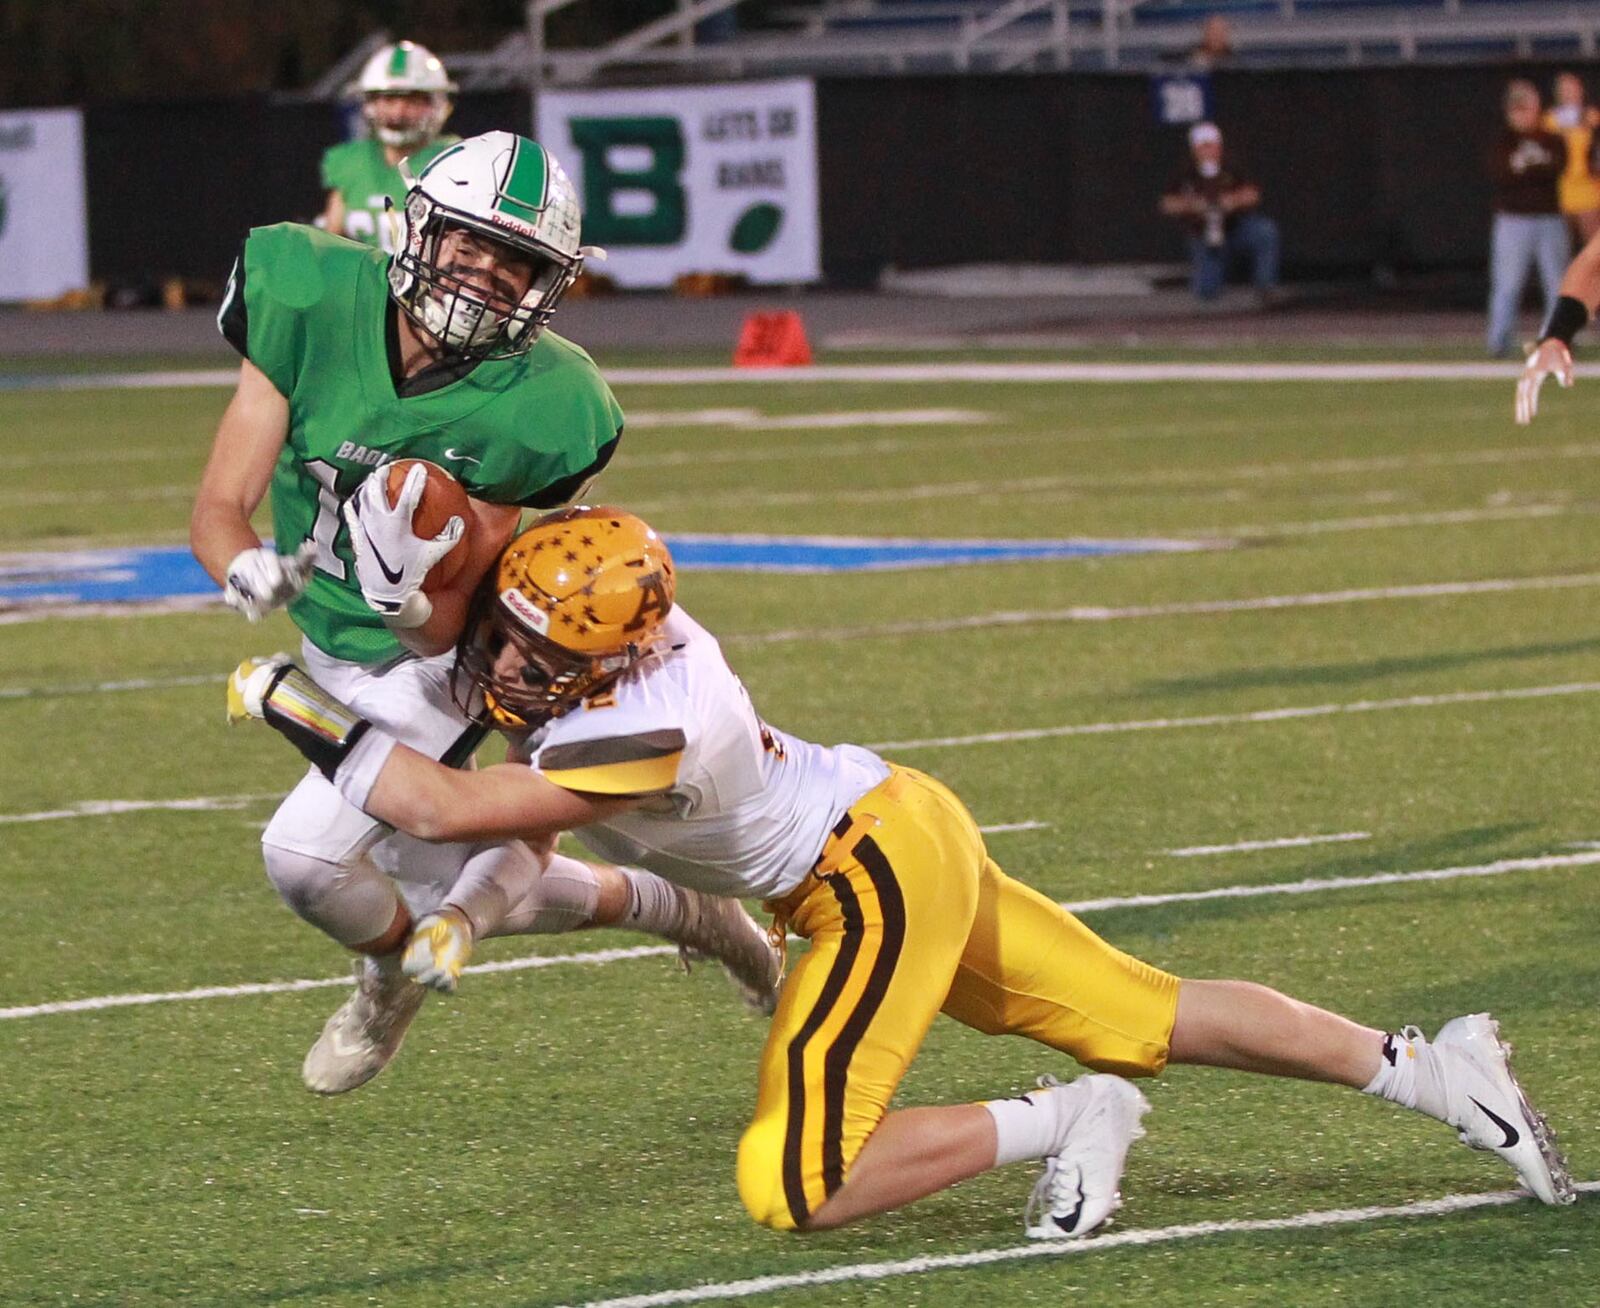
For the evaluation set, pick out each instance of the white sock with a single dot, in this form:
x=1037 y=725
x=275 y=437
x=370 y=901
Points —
x=654 y=905
x=1408 y=1075
x=1028 y=1126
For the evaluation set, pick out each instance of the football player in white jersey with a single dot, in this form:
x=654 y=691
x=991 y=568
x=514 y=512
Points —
x=628 y=726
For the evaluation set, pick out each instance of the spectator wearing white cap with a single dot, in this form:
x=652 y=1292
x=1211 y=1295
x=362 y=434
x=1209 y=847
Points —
x=1219 y=209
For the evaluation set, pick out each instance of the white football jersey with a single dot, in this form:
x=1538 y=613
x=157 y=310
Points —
x=735 y=807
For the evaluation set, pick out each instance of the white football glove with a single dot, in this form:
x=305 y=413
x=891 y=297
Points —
x=391 y=559
x=261 y=579
x=1550 y=359
x=439 y=948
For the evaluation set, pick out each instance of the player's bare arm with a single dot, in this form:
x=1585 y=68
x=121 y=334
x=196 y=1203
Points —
x=249 y=438
x=1552 y=357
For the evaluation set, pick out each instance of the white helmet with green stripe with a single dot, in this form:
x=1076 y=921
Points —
x=414 y=72
x=507 y=190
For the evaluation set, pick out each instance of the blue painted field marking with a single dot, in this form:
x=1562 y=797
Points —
x=865 y=554
x=133 y=576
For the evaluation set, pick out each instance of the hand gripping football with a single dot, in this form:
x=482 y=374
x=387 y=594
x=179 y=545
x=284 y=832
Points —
x=443 y=498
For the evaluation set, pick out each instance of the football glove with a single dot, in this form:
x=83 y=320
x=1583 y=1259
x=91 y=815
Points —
x=391 y=559
x=1550 y=359
x=261 y=579
x=249 y=685
x=438 y=949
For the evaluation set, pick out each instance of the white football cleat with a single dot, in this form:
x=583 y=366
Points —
x=1078 y=1191
x=721 y=929
x=365 y=1031
x=1488 y=1107
x=440 y=945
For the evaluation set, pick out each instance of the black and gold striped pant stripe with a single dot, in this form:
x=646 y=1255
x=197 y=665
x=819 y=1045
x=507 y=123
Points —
x=906 y=915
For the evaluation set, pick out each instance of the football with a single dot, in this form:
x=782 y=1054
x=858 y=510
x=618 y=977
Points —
x=442 y=499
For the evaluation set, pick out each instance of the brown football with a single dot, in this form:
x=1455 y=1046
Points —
x=443 y=498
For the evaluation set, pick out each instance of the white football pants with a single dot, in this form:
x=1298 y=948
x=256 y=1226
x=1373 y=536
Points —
x=345 y=872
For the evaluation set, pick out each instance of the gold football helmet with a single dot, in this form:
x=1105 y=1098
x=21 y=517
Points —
x=575 y=600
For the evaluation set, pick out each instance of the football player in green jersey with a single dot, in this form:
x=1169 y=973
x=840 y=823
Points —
x=351 y=360
x=405 y=99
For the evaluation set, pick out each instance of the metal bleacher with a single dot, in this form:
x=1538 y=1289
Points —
x=734 y=38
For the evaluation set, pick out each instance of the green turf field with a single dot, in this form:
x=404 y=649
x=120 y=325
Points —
x=1396 y=562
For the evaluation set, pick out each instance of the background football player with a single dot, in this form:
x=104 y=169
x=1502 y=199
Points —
x=352 y=359
x=627 y=722
x=405 y=100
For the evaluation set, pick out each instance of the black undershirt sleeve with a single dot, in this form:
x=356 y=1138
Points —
x=233 y=319
x=559 y=492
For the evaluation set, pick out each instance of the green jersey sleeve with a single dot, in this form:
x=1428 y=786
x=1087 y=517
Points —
x=575 y=405
x=277 y=278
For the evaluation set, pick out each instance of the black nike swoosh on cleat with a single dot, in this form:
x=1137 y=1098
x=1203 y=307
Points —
x=1512 y=1134
x=390 y=573
x=1069 y=1223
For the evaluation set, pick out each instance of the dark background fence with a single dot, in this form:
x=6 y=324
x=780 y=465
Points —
x=1363 y=168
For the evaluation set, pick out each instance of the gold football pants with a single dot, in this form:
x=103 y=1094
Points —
x=907 y=916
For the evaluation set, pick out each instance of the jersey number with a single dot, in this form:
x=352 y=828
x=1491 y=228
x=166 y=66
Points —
x=328 y=528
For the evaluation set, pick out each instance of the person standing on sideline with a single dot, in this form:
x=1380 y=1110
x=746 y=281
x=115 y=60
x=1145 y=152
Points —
x=1219 y=208
x=1525 y=163
x=405 y=100
x=1575 y=119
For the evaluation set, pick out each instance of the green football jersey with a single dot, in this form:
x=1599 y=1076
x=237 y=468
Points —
x=363 y=177
x=310 y=311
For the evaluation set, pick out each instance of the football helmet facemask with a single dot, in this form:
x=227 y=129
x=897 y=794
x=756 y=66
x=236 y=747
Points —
x=575 y=601
x=511 y=191
x=406 y=69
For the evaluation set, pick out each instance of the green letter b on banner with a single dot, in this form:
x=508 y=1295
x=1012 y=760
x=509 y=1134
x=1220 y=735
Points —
x=602 y=224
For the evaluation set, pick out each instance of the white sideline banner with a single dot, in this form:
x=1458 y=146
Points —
x=44 y=227
x=693 y=179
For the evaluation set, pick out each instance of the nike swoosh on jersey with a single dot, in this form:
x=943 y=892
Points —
x=460 y=458
x=1512 y=1134
x=390 y=574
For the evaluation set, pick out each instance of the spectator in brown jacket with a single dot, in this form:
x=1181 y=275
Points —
x=1525 y=162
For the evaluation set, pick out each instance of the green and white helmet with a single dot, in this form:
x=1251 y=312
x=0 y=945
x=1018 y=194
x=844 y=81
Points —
x=406 y=69
x=511 y=190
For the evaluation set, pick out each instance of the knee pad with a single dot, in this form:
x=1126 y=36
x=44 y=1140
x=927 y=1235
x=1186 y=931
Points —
x=352 y=902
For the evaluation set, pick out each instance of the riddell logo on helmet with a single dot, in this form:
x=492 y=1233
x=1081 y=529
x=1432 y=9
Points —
x=515 y=224
x=524 y=608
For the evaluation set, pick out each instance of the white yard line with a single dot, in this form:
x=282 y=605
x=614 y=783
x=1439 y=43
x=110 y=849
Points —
x=1180 y=608
x=112 y=807
x=109 y=687
x=1291 y=714
x=1283 y=842
x=1501 y=867
x=1321 y=885
x=755 y=420
x=920 y=373
x=753 y=1286
x=1002 y=618
x=1044 y=485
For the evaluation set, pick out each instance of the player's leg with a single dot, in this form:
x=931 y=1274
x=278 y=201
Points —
x=887 y=914
x=1114 y=1013
x=507 y=889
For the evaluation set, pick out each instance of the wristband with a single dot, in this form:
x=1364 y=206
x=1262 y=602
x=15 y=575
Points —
x=321 y=727
x=1567 y=319
x=363 y=761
